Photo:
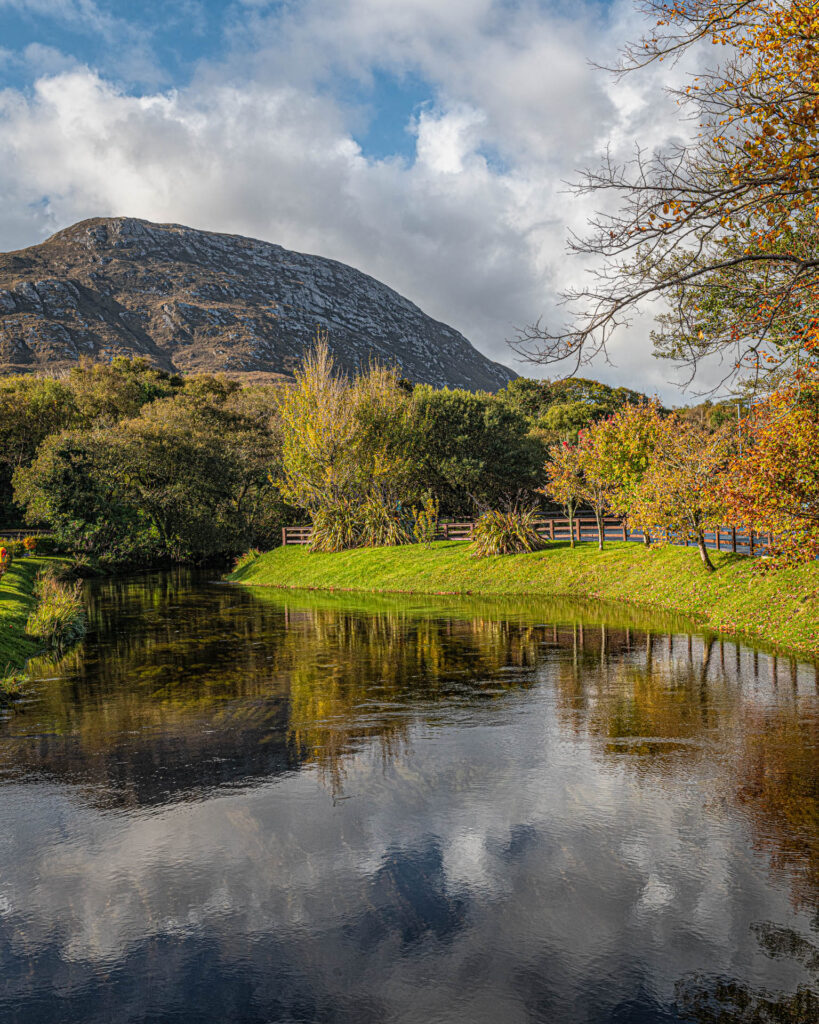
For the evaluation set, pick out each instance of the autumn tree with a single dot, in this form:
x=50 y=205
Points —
x=564 y=481
x=681 y=494
x=774 y=487
x=724 y=228
x=622 y=446
x=596 y=479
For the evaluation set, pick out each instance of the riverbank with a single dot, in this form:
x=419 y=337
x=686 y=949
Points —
x=780 y=608
x=17 y=601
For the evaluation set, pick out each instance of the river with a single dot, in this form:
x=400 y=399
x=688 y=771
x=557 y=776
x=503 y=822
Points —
x=258 y=806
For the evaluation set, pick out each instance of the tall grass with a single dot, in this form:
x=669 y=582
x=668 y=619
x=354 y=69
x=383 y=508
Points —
x=59 y=618
x=505 y=533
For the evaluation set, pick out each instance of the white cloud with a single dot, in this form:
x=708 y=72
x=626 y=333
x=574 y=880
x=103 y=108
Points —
x=473 y=229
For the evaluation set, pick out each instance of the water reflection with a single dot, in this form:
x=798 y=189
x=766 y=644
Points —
x=256 y=806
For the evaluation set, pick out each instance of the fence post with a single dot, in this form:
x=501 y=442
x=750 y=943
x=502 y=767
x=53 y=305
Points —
x=446 y=531
x=284 y=536
x=734 y=539
x=551 y=529
x=716 y=536
x=625 y=534
x=751 y=542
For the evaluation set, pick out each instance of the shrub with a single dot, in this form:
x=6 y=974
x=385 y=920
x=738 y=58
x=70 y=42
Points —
x=425 y=520
x=13 y=547
x=59 y=618
x=30 y=543
x=47 y=545
x=505 y=533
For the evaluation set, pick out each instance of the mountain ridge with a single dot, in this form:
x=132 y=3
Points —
x=200 y=301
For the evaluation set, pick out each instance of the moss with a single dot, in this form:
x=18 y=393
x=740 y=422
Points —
x=781 y=608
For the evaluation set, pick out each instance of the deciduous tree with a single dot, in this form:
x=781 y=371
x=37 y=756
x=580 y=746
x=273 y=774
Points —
x=774 y=487
x=682 y=492
x=724 y=228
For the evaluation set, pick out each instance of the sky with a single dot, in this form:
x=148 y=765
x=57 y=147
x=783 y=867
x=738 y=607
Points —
x=426 y=143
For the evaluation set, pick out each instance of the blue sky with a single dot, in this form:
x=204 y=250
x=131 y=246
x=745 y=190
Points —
x=425 y=143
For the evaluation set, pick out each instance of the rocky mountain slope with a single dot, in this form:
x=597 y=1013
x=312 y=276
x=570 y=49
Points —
x=195 y=301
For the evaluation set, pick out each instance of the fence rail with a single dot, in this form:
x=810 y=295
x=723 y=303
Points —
x=20 y=534
x=726 y=538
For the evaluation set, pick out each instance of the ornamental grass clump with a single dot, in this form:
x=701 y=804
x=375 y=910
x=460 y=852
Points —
x=381 y=526
x=505 y=533
x=336 y=527
x=59 y=618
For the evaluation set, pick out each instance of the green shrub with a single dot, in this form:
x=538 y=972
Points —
x=59 y=618
x=425 y=520
x=14 y=547
x=47 y=545
x=505 y=533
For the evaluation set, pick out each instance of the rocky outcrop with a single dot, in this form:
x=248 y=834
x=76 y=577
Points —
x=196 y=301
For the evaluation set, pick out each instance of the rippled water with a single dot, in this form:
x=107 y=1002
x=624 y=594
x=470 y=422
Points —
x=256 y=807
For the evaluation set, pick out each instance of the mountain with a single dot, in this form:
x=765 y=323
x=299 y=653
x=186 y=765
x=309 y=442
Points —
x=196 y=301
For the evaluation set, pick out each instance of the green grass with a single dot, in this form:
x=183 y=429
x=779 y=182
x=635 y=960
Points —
x=780 y=608
x=16 y=603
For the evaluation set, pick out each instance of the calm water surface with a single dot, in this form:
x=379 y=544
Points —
x=257 y=807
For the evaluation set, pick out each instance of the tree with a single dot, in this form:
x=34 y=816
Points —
x=682 y=492
x=186 y=479
x=596 y=484
x=557 y=409
x=564 y=480
x=105 y=393
x=31 y=408
x=774 y=487
x=724 y=228
x=347 y=452
x=623 y=446
x=473 y=449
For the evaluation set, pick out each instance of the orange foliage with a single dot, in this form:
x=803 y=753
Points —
x=774 y=487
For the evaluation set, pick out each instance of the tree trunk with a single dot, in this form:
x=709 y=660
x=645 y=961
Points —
x=598 y=515
x=706 y=561
x=646 y=538
x=570 y=514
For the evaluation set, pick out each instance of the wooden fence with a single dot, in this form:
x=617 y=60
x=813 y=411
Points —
x=726 y=538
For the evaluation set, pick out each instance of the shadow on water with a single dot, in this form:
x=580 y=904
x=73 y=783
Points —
x=352 y=808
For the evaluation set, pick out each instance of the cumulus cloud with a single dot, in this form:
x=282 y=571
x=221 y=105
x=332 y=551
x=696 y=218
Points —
x=472 y=227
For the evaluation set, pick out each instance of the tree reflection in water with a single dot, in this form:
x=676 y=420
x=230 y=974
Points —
x=184 y=688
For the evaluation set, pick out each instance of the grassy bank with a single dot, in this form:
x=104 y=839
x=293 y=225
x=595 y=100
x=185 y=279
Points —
x=17 y=601
x=780 y=608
